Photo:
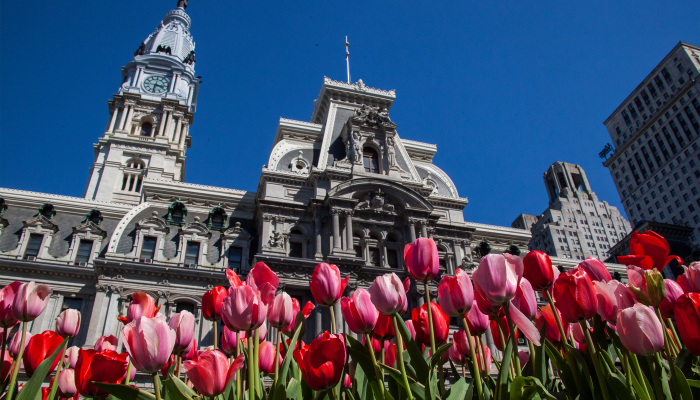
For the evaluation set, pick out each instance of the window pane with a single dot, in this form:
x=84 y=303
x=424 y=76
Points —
x=149 y=248
x=217 y=221
x=192 y=255
x=184 y=306
x=374 y=256
x=392 y=258
x=176 y=216
x=84 y=251
x=34 y=245
x=235 y=255
x=296 y=249
x=358 y=252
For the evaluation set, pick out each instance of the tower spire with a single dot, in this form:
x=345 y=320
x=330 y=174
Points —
x=347 y=56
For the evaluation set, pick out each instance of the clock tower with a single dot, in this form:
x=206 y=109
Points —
x=147 y=132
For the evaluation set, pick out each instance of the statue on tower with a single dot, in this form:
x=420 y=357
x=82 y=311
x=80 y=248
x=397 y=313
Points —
x=182 y=4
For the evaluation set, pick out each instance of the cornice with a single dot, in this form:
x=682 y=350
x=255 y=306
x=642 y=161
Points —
x=70 y=204
x=328 y=82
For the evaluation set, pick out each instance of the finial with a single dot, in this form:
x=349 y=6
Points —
x=182 y=4
x=347 y=56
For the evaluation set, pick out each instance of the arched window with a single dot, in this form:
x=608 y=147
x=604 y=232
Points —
x=176 y=213
x=217 y=218
x=94 y=216
x=47 y=210
x=370 y=159
x=146 y=129
x=133 y=175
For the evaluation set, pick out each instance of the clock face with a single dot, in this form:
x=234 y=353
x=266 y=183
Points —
x=156 y=84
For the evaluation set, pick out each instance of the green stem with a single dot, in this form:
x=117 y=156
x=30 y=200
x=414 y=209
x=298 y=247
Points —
x=669 y=349
x=156 y=386
x=216 y=334
x=475 y=364
x=430 y=318
x=655 y=378
x=277 y=356
x=556 y=317
x=532 y=353
x=514 y=340
x=482 y=355
x=380 y=374
x=256 y=361
x=569 y=358
x=4 y=344
x=399 y=356
x=13 y=379
x=596 y=361
x=503 y=346
x=332 y=319
x=638 y=372
x=673 y=330
x=238 y=373
x=128 y=372
x=251 y=368
x=54 y=385
x=628 y=370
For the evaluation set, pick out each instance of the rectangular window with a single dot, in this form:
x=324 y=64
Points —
x=659 y=82
x=148 y=250
x=666 y=75
x=374 y=258
x=638 y=103
x=192 y=253
x=84 y=250
x=392 y=258
x=235 y=257
x=652 y=90
x=34 y=245
x=296 y=249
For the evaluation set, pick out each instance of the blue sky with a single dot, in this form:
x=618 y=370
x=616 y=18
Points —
x=503 y=88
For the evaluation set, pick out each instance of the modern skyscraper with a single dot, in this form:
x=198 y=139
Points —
x=656 y=158
x=576 y=224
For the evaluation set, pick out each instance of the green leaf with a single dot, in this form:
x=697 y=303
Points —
x=33 y=386
x=618 y=388
x=454 y=369
x=693 y=383
x=417 y=359
x=565 y=373
x=502 y=380
x=682 y=385
x=280 y=390
x=431 y=386
x=174 y=391
x=527 y=387
x=458 y=390
x=684 y=362
x=540 y=366
x=435 y=358
x=182 y=386
x=294 y=389
x=124 y=392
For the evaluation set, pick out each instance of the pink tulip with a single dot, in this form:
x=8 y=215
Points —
x=262 y=332
x=141 y=305
x=690 y=279
x=260 y=275
x=463 y=346
x=486 y=363
x=525 y=299
x=7 y=297
x=477 y=321
x=640 y=330
x=673 y=292
x=496 y=279
x=524 y=357
x=13 y=349
x=132 y=375
x=388 y=294
x=149 y=342
x=326 y=285
x=624 y=295
x=244 y=309
x=359 y=312
x=347 y=383
x=228 y=341
x=30 y=301
x=647 y=285
x=454 y=355
x=281 y=313
x=577 y=333
x=183 y=325
x=456 y=294
x=306 y=311
x=70 y=358
x=210 y=372
x=596 y=270
x=108 y=342
x=411 y=328
x=233 y=279
x=266 y=358
x=422 y=259
x=68 y=323
x=607 y=301
x=66 y=383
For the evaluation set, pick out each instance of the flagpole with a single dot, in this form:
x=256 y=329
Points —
x=347 y=56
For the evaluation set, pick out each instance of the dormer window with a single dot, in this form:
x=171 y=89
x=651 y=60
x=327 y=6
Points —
x=217 y=218
x=34 y=245
x=94 y=216
x=177 y=213
x=370 y=160
x=48 y=211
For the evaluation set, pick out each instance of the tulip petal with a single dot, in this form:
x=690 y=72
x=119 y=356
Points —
x=201 y=378
x=525 y=325
x=645 y=262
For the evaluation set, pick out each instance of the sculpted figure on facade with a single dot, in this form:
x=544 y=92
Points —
x=354 y=147
x=277 y=239
x=391 y=153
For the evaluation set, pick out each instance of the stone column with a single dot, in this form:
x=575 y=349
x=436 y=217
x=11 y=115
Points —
x=348 y=229
x=420 y=299
x=168 y=124
x=412 y=229
x=336 y=229
x=122 y=120
x=178 y=128
x=161 y=126
x=99 y=306
x=113 y=121
x=183 y=135
x=423 y=229
x=319 y=238
x=128 y=119
x=319 y=321
x=339 y=321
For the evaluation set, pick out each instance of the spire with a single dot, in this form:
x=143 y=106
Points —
x=182 y=4
x=347 y=56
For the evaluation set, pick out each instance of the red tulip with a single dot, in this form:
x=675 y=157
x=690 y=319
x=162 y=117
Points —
x=384 y=328
x=260 y=275
x=495 y=333
x=461 y=344
x=673 y=292
x=108 y=342
x=687 y=313
x=191 y=352
x=454 y=355
x=390 y=353
x=306 y=311
x=106 y=367
x=68 y=323
x=211 y=303
x=524 y=357
x=359 y=312
x=376 y=345
x=441 y=324
x=648 y=250
x=640 y=330
x=211 y=372
x=233 y=278
x=280 y=313
x=577 y=333
x=690 y=279
x=525 y=299
x=422 y=259
x=575 y=296
x=477 y=321
x=15 y=342
x=456 y=294
x=322 y=362
x=39 y=348
x=485 y=364
x=6 y=364
x=166 y=368
x=497 y=277
x=30 y=301
x=326 y=285
x=347 y=383
x=595 y=269
x=183 y=325
x=149 y=342
x=537 y=268
x=7 y=297
x=388 y=294
x=546 y=316
x=266 y=358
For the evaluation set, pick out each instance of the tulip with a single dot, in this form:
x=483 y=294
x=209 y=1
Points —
x=244 y=309
x=70 y=358
x=388 y=294
x=326 y=285
x=132 y=374
x=359 y=312
x=384 y=328
x=577 y=333
x=411 y=329
x=477 y=321
x=211 y=303
x=575 y=296
x=30 y=301
x=460 y=342
x=6 y=364
x=648 y=250
x=523 y=357
x=546 y=316
x=141 y=305
x=183 y=325
x=233 y=278
x=149 y=342
x=106 y=367
x=191 y=352
x=211 y=372
x=266 y=359
x=441 y=324
x=485 y=364
x=68 y=323
x=306 y=311
x=607 y=302
x=499 y=341
x=322 y=362
x=7 y=297
x=454 y=354
x=228 y=341
x=673 y=292
x=640 y=330
x=595 y=269
x=648 y=285
x=537 y=268
x=496 y=279
x=690 y=279
x=281 y=314
x=66 y=383
x=456 y=294
x=687 y=314
x=525 y=299
x=390 y=353
x=164 y=372
x=422 y=259
x=13 y=348
x=347 y=383
x=107 y=342
x=624 y=295
x=260 y=275
x=376 y=345
x=40 y=347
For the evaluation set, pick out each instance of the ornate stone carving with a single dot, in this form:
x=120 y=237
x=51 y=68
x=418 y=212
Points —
x=354 y=147
x=374 y=116
x=376 y=202
x=277 y=239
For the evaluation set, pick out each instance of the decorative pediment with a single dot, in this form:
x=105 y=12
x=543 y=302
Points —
x=90 y=229
x=153 y=224
x=376 y=201
x=198 y=228
x=400 y=196
x=237 y=232
x=41 y=222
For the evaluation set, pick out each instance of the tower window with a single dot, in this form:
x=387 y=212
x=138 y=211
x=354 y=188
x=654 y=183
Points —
x=34 y=245
x=146 y=129
x=370 y=160
x=235 y=257
x=148 y=250
x=48 y=211
x=84 y=250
